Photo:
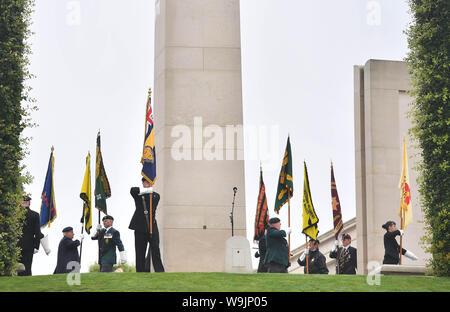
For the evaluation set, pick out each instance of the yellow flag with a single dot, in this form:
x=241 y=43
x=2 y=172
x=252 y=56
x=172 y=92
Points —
x=405 y=211
x=85 y=195
x=310 y=218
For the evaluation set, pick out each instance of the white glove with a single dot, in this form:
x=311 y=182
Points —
x=81 y=237
x=99 y=227
x=302 y=257
x=336 y=245
x=401 y=232
x=123 y=257
x=35 y=251
x=288 y=231
x=44 y=243
x=307 y=251
x=147 y=190
x=410 y=255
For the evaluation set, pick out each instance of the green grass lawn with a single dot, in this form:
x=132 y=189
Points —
x=221 y=282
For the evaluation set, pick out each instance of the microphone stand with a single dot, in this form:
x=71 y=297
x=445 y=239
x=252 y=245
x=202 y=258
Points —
x=232 y=211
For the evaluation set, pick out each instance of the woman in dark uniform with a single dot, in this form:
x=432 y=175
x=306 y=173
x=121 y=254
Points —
x=391 y=247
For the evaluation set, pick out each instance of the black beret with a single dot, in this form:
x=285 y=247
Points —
x=274 y=220
x=67 y=229
x=26 y=197
x=346 y=236
x=108 y=218
x=315 y=241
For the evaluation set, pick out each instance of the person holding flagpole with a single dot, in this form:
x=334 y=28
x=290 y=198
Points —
x=391 y=247
x=261 y=224
x=277 y=248
x=313 y=258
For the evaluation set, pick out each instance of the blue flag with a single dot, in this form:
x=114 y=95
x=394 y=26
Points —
x=48 y=208
x=148 y=155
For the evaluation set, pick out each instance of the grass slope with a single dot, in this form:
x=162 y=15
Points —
x=221 y=282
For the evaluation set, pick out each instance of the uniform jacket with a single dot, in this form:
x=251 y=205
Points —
x=67 y=252
x=277 y=249
x=138 y=221
x=316 y=263
x=31 y=232
x=109 y=241
x=392 y=248
x=350 y=260
x=261 y=254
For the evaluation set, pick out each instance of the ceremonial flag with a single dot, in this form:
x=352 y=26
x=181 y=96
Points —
x=148 y=159
x=48 y=208
x=285 y=189
x=405 y=211
x=336 y=205
x=85 y=195
x=262 y=211
x=102 y=188
x=310 y=219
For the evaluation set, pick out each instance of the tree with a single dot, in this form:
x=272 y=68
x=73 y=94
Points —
x=429 y=44
x=14 y=118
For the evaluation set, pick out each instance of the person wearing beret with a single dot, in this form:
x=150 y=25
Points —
x=31 y=236
x=277 y=249
x=317 y=263
x=346 y=261
x=140 y=223
x=391 y=247
x=261 y=253
x=68 y=252
x=110 y=239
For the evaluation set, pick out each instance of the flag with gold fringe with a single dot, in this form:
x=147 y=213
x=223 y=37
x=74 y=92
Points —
x=48 y=207
x=262 y=211
x=405 y=211
x=336 y=206
x=285 y=188
x=310 y=219
x=148 y=159
x=85 y=195
x=102 y=189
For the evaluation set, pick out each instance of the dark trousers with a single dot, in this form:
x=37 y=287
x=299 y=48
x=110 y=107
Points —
x=140 y=244
x=107 y=267
x=262 y=268
x=276 y=268
x=26 y=259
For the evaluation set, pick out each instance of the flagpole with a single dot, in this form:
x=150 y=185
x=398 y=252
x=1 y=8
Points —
x=307 y=255
x=289 y=225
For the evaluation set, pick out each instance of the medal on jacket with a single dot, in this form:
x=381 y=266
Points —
x=107 y=237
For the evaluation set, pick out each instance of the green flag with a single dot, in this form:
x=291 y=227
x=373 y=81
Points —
x=285 y=182
x=102 y=189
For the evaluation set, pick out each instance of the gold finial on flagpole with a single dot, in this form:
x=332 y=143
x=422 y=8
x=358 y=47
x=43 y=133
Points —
x=53 y=148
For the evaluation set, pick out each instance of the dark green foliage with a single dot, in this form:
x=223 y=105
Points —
x=429 y=43
x=14 y=118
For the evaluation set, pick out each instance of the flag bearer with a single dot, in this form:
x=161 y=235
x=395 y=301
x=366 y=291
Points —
x=140 y=223
x=345 y=256
x=277 y=251
x=68 y=252
x=110 y=239
x=316 y=260
x=391 y=247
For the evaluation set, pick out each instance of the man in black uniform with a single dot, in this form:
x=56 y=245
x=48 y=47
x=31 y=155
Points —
x=345 y=256
x=261 y=253
x=140 y=223
x=31 y=237
x=68 y=252
x=316 y=260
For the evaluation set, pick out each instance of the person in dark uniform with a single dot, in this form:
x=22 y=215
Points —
x=140 y=223
x=316 y=260
x=277 y=249
x=31 y=236
x=261 y=253
x=391 y=247
x=346 y=261
x=110 y=239
x=68 y=252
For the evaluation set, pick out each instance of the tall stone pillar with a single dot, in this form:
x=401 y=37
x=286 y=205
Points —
x=198 y=92
x=381 y=106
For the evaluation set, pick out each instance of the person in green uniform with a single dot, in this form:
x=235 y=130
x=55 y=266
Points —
x=110 y=239
x=277 y=249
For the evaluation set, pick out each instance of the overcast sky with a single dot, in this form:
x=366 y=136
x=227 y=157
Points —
x=93 y=61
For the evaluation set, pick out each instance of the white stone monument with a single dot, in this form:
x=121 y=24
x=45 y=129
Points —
x=198 y=91
x=238 y=258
